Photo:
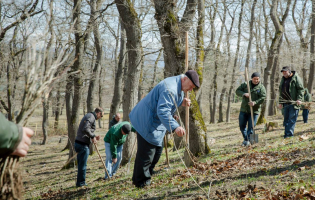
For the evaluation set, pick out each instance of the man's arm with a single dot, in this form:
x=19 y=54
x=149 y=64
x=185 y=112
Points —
x=164 y=108
x=87 y=127
x=240 y=90
x=14 y=139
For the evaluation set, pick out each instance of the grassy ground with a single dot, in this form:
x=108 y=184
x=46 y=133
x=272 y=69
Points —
x=273 y=168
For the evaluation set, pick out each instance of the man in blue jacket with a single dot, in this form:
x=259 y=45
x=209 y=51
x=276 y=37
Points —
x=152 y=116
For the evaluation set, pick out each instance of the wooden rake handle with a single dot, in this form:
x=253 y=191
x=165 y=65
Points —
x=101 y=160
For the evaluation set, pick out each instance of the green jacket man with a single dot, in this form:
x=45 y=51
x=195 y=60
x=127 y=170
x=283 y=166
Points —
x=258 y=95
x=114 y=140
x=290 y=97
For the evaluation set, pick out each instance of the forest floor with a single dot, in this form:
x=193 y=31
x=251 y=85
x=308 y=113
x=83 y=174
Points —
x=274 y=168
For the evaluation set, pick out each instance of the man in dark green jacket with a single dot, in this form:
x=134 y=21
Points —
x=306 y=107
x=291 y=96
x=258 y=95
x=114 y=140
x=14 y=139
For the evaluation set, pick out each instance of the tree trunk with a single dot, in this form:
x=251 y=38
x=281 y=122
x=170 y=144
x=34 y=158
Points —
x=312 y=52
x=95 y=5
x=45 y=119
x=272 y=52
x=228 y=110
x=131 y=23
x=172 y=33
x=57 y=110
x=119 y=74
x=77 y=82
x=154 y=71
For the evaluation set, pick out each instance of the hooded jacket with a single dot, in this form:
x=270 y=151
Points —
x=296 y=88
x=258 y=95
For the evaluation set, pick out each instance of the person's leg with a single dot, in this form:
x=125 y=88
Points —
x=305 y=115
x=145 y=154
x=82 y=156
x=108 y=161
x=286 y=112
x=157 y=155
x=250 y=125
x=242 y=119
x=293 y=113
x=119 y=156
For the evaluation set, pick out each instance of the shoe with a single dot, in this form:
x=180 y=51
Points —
x=246 y=144
x=82 y=185
x=243 y=144
x=142 y=185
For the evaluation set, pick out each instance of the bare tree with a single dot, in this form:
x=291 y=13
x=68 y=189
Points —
x=131 y=23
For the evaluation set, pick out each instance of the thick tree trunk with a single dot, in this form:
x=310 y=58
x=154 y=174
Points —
x=73 y=112
x=273 y=51
x=172 y=34
x=119 y=74
x=131 y=23
x=95 y=5
x=312 y=51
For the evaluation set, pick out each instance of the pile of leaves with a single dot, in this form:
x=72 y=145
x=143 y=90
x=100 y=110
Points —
x=262 y=193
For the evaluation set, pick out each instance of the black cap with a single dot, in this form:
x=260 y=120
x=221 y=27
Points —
x=286 y=68
x=193 y=76
x=256 y=74
x=126 y=128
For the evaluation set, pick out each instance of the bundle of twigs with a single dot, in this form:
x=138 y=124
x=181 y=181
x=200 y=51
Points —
x=289 y=100
x=10 y=179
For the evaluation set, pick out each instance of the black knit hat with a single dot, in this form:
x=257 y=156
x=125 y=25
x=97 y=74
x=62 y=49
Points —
x=193 y=76
x=126 y=128
x=286 y=68
x=256 y=74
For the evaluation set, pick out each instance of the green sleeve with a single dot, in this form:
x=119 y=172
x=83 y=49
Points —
x=133 y=129
x=113 y=145
x=240 y=90
x=262 y=96
x=10 y=136
x=300 y=89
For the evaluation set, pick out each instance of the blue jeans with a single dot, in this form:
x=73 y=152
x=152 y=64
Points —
x=243 y=119
x=305 y=115
x=82 y=156
x=112 y=168
x=290 y=117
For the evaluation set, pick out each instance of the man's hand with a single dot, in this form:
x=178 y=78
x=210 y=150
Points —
x=176 y=117
x=180 y=131
x=252 y=103
x=298 y=102
x=186 y=102
x=246 y=95
x=114 y=160
x=280 y=106
x=95 y=139
x=23 y=147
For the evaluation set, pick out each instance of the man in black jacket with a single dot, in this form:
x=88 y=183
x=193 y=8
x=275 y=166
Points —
x=116 y=118
x=85 y=136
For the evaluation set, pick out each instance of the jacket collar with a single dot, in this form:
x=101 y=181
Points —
x=94 y=114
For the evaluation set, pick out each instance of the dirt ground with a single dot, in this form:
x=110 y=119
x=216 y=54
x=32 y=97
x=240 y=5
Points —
x=274 y=168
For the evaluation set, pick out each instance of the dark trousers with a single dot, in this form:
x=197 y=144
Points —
x=82 y=156
x=305 y=115
x=147 y=157
x=246 y=119
x=290 y=117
